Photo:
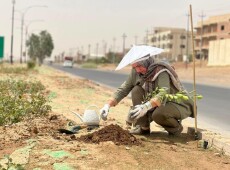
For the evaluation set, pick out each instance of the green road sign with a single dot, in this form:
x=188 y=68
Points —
x=1 y=47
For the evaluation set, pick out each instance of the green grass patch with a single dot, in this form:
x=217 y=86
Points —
x=89 y=65
x=15 y=69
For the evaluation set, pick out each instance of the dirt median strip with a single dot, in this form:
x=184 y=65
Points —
x=157 y=152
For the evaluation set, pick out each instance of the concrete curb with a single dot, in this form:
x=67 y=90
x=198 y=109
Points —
x=214 y=140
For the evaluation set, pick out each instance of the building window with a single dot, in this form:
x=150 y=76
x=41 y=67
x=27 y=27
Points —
x=169 y=46
x=170 y=36
x=182 y=37
x=182 y=46
x=222 y=28
x=154 y=39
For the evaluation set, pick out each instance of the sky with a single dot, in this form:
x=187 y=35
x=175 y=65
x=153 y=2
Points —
x=76 y=24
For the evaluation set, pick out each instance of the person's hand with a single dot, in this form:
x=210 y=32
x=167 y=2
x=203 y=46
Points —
x=104 y=111
x=139 y=111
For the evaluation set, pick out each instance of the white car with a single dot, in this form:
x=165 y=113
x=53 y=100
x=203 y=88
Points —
x=68 y=64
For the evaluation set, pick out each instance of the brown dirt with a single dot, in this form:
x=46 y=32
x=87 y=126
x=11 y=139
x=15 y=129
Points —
x=112 y=133
x=157 y=151
x=17 y=134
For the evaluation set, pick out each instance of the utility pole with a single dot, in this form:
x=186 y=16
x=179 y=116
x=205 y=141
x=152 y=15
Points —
x=97 y=45
x=105 y=48
x=114 y=46
x=22 y=26
x=89 y=46
x=135 y=37
x=124 y=36
x=201 y=37
x=147 y=34
x=12 y=33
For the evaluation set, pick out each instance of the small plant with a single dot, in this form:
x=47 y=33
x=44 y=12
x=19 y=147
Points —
x=10 y=165
x=19 y=99
x=31 y=64
x=164 y=96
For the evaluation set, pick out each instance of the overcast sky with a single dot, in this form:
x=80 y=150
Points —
x=74 y=24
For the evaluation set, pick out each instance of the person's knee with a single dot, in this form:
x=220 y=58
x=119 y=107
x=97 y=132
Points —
x=158 y=118
x=137 y=90
x=138 y=94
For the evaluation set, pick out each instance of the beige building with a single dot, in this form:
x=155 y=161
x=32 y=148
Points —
x=214 y=28
x=219 y=53
x=176 y=42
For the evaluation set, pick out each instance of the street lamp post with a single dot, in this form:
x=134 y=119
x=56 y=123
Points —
x=114 y=46
x=12 y=33
x=26 y=35
x=124 y=36
x=22 y=26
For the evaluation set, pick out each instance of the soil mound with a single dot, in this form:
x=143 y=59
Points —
x=112 y=133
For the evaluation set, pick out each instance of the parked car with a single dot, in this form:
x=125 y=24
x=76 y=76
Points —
x=68 y=63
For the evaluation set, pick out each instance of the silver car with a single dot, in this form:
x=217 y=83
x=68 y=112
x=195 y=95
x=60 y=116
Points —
x=68 y=64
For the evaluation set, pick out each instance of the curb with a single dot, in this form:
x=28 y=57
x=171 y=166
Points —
x=214 y=140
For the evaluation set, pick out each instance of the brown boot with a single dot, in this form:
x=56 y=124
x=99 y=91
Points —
x=176 y=132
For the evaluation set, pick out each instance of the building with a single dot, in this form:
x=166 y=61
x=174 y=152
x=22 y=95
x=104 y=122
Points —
x=219 y=53
x=176 y=42
x=215 y=28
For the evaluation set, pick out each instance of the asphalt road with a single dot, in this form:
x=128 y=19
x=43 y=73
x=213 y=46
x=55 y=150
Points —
x=213 y=110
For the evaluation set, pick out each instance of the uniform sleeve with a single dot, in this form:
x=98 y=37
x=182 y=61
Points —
x=163 y=81
x=125 y=88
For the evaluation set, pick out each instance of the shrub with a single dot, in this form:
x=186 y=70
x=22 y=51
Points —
x=19 y=99
x=31 y=64
x=89 y=65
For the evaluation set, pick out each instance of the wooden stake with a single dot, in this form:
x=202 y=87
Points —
x=194 y=77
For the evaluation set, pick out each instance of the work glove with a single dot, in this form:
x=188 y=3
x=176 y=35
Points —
x=139 y=111
x=104 y=112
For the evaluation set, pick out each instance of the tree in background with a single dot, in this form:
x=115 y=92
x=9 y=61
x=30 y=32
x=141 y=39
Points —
x=33 y=45
x=40 y=46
